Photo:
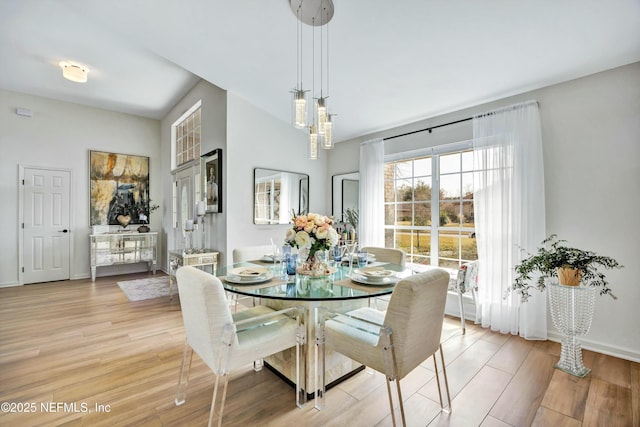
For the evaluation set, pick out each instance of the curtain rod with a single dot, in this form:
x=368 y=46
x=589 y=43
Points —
x=428 y=129
x=490 y=113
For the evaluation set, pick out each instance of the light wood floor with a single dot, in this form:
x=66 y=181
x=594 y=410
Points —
x=84 y=343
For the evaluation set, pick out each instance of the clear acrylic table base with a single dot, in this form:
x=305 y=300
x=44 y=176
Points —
x=572 y=311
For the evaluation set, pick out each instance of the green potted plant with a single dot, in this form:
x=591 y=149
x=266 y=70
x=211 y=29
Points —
x=571 y=265
x=351 y=217
x=148 y=207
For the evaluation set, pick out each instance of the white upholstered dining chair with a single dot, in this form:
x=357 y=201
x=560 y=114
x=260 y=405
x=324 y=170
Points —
x=250 y=253
x=393 y=343
x=394 y=256
x=390 y=255
x=226 y=341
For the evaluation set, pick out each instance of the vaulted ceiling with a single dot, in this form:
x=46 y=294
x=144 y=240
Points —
x=390 y=62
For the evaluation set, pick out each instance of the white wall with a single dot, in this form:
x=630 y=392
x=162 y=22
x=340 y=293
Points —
x=213 y=135
x=257 y=139
x=60 y=135
x=591 y=136
x=591 y=143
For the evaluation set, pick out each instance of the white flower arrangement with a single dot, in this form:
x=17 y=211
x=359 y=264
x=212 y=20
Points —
x=313 y=231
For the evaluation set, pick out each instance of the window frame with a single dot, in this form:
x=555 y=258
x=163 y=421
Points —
x=434 y=257
x=197 y=141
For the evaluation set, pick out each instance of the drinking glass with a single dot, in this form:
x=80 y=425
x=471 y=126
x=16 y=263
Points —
x=338 y=252
x=351 y=246
x=362 y=258
x=292 y=263
x=277 y=259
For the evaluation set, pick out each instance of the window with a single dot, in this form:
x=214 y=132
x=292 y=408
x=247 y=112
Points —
x=267 y=195
x=429 y=208
x=186 y=137
x=185 y=165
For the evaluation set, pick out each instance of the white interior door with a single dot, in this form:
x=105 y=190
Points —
x=46 y=234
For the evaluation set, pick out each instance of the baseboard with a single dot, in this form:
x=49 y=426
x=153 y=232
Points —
x=452 y=309
x=599 y=347
x=10 y=284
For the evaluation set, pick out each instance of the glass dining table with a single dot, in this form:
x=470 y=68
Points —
x=341 y=291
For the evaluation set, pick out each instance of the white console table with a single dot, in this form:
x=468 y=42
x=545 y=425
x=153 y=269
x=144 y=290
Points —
x=123 y=248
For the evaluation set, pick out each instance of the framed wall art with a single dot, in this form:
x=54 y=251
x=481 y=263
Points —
x=119 y=193
x=211 y=165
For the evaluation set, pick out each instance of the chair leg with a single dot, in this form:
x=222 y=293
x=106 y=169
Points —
x=464 y=329
x=301 y=365
x=214 y=398
x=224 y=399
x=446 y=381
x=232 y=299
x=404 y=422
x=400 y=403
x=183 y=380
x=393 y=412
x=474 y=295
x=319 y=401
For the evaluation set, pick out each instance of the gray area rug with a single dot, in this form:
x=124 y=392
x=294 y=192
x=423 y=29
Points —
x=142 y=289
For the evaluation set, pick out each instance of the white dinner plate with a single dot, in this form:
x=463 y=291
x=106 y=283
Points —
x=249 y=272
x=374 y=274
x=385 y=281
x=269 y=258
x=240 y=280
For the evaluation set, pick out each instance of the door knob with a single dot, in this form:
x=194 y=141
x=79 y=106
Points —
x=63 y=231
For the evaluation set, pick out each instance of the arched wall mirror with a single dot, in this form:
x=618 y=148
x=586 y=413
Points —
x=277 y=194
x=345 y=191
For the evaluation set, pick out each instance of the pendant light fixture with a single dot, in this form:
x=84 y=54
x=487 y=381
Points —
x=321 y=104
x=299 y=116
x=313 y=142
x=313 y=130
x=316 y=13
x=327 y=139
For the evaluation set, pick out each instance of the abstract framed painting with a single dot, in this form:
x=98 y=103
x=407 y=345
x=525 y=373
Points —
x=119 y=193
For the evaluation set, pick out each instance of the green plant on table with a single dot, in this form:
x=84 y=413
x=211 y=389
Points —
x=351 y=217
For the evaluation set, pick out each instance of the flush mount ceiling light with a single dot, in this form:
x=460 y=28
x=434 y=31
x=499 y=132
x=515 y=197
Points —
x=315 y=13
x=74 y=72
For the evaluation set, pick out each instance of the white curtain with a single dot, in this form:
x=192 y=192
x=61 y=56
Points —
x=289 y=193
x=509 y=215
x=371 y=211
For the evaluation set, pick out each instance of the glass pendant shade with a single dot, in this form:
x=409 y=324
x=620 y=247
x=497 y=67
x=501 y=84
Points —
x=299 y=108
x=322 y=115
x=317 y=14
x=327 y=142
x=313 y=142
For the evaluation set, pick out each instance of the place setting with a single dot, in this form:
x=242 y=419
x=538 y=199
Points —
x=248 y=275
x=271 y=258
x=377 y=276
